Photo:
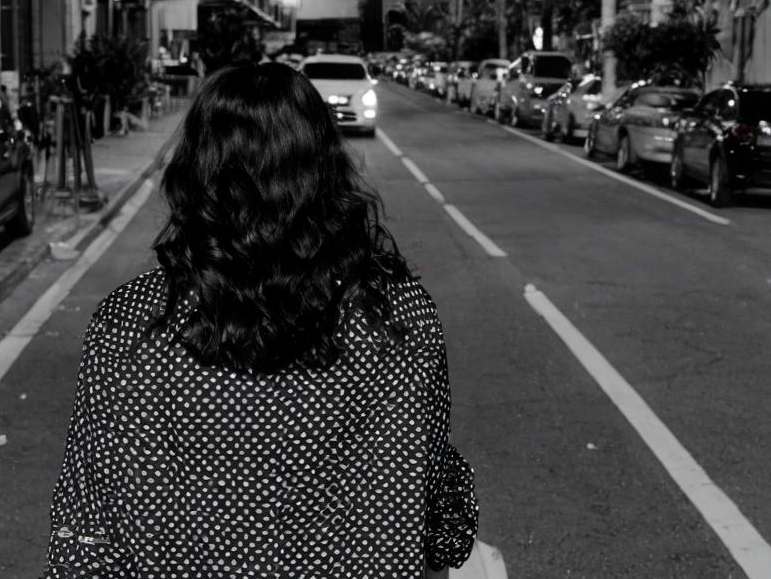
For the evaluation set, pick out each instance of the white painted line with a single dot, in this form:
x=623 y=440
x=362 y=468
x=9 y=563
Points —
x=746 y=545
x=648 y=189
x=435 y=193
x=415 y=170
x=472 y=231
x=13 y=344
x=388 y=143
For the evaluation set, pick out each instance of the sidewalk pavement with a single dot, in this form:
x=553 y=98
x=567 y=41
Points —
x=121 y=164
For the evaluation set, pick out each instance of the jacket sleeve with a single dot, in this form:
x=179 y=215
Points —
x=80 y=543
x=452 y=510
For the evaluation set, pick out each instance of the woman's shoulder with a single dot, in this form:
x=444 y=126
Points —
x=411 y=304
x=136 y=300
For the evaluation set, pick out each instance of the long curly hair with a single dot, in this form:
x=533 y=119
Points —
x=272 y=230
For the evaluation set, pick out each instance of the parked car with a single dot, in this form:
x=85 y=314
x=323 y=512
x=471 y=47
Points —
x=639 y=124
x=436 y=79
x=417 y=74
x=725 y=141
x=484 y=91
x=17 y=188
x=460 y=80
x=401 y=71
x=570 y=110
x=529 y=81
x=345 y=85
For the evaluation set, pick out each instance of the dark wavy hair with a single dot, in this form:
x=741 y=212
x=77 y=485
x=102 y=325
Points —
x=272 y=229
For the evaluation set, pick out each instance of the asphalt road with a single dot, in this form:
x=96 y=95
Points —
x=567 y=487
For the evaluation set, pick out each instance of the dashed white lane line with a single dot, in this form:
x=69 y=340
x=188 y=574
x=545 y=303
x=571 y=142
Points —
x=642 y=187
x=415 y=170
x=746 y=545
x=455 y=214
x=14 y=343
x=472 y=231
x=432 y=190
x=390 y=145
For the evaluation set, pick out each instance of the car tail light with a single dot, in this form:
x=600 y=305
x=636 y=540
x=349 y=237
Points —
x=743 y=133
x=668 y=122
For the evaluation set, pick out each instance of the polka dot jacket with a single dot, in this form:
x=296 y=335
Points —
x=177 y=470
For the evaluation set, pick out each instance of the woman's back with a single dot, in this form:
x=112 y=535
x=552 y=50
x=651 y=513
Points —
x=272 y=401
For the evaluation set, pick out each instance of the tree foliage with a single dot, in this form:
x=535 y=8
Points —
x=677 y=50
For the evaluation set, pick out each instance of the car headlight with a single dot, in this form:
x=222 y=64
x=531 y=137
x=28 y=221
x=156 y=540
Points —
x=537 y=90
x=337 y=100
x=369 y=98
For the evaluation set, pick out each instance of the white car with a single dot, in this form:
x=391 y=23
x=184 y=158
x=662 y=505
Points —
x=345 y=85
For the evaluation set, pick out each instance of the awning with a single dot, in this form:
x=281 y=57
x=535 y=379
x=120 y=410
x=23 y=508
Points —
x=261 y=15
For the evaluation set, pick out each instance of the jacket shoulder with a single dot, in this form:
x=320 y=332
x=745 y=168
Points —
x=134 y=303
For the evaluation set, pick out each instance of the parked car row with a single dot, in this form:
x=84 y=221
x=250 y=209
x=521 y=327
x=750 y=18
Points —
x=721 y=139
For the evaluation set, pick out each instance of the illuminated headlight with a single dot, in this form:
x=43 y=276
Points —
x=370 y=114
x=337 y=100
x=538 y=90
x=17 y=125
x=369 y=99
x=765 y=128
x=431 y=86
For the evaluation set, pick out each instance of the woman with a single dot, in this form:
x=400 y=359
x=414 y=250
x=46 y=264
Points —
x=272 y=401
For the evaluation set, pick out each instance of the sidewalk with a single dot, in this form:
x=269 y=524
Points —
x=120 y=165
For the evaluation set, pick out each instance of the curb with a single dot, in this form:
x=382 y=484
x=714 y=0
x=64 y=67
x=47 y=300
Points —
x=17 y=274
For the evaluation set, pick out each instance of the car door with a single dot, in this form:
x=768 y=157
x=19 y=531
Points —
x=8 y=178
x=606 y=138
x=697 y=137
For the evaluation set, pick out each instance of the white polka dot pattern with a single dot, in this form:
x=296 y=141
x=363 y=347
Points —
x=177 y=470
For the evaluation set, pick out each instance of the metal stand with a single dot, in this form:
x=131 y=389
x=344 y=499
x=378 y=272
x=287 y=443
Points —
x=73 y=146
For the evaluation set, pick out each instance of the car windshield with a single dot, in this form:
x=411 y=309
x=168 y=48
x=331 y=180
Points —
x=755 y=105
x=335 y=71
x=552 y=67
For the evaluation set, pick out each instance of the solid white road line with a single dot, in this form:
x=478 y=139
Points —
x=388 y=143
x=648 y=189
x=13 y=344
x=415 y=170
x=746 y=545
x=472 y=231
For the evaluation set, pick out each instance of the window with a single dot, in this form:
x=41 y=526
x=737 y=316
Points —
x=335 y=71
x=709 y=104
x=552 y=67
x=525 y=65
x=755 y=105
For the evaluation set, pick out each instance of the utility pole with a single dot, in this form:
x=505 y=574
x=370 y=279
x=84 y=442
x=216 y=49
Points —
x=608 y=60
x=500 y=16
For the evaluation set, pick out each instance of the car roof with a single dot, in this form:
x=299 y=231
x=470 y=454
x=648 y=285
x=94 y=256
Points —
x=668 y=89
x=497 y=61
x=341 y=58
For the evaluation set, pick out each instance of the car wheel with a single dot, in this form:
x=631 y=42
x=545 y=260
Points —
x=590 y=144
x=624 y=154
x=676 y=172
x=719 y=188
x=22 y=223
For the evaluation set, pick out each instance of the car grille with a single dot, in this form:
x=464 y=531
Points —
x=342 y=115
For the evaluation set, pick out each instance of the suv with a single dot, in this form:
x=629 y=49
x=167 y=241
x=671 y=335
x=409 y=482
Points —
x=485 y=89
x=530 y=80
